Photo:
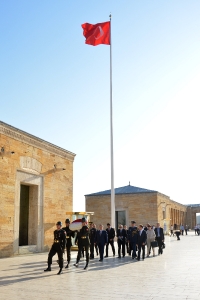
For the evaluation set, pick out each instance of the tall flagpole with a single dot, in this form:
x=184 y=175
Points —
x=111 y=140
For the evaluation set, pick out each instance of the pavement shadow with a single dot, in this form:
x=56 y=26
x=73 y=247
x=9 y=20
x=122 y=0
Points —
x=108 y=263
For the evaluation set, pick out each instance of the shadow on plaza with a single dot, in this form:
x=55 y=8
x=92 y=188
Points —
x=108 y=263
x=36 y=271
x=26 y=272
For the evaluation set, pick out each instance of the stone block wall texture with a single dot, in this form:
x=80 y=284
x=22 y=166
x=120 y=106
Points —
x=143 y=208
x=57 y=183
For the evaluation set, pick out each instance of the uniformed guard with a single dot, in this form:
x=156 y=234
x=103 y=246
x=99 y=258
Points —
x=133 y=238
x=83 y=242
x=92 y=239
x=57 y=247
x=68 y=234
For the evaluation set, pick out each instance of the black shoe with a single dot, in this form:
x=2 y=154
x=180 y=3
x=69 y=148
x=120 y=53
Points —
x=47 y=269
x=76 y=265
x=67 y=266
x=101 y=260
x=119 y=256
x=105 y=256
x=86 y=266
x=60 y=271
x=113 y=255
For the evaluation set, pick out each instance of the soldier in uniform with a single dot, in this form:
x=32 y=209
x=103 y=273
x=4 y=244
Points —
x=57 y=247
x=84 y=242
x=92 y=238
x=69 y=235
x=133 y=238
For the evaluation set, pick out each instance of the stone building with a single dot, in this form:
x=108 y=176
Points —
x=138 y=204
x=36 y=189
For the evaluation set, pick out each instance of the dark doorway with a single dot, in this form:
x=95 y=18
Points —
x=23 y=215
x=120 y=218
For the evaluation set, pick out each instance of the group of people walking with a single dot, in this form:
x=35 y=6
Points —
x=132 y=240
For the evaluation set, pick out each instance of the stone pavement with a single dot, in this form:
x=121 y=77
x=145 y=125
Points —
x=173 y=275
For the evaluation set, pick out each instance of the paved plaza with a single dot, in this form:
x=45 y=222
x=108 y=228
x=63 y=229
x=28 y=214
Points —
x=173 y=275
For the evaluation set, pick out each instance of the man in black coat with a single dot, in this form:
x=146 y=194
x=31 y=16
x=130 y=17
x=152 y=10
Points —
x=159 y=238
x=132 y=239
x=83 y=242
x=101 y=239
x=69 y=234
x=121 y=240
x=57 y=247
x=111 y=235
x=141 y=241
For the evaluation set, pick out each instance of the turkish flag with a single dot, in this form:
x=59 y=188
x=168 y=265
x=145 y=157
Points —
x=96 y=34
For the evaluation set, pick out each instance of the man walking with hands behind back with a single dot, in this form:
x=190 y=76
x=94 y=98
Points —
x=111 y=235
x=159 y=237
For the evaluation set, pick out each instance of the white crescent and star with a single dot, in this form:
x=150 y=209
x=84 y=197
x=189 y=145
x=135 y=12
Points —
x=101 y=33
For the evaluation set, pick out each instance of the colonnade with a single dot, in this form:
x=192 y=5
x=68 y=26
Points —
x=177 y=216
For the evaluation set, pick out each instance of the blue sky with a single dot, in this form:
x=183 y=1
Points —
x=54 y=86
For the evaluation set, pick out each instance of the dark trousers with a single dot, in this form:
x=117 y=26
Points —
x=186 y=231
x=56 y=249
x=159 y=240
x=182 y=231
x=178 y=235
x=133 y=248
x=96 y=247
x=81 y=248
x=68 y=250
x=141 y=247
x=127 y=247
x=121 y=245
x=101 y=250
x=92 y=249
x=112 y=246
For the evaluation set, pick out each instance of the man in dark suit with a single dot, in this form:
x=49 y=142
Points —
x=142 y=237
x=159 y=237
x=111 y=235
x=101 y=239
x=121 y=240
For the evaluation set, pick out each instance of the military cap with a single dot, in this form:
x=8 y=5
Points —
x=59 y=223
x=67 y=221
x=84 y=220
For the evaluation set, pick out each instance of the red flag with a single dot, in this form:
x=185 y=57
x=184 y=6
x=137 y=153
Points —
x=97 y=34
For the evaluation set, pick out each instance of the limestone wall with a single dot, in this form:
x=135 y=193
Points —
x=36 y=165
x=141 y=208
